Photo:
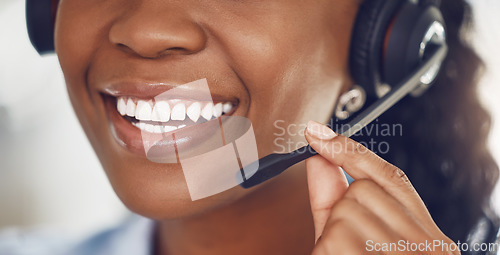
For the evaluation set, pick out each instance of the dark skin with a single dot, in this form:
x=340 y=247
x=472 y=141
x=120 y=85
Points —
x=272 y=56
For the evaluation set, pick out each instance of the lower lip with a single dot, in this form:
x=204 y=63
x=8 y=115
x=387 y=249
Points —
x=186 y=139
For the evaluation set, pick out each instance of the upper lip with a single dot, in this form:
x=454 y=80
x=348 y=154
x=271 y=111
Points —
x=150 y=90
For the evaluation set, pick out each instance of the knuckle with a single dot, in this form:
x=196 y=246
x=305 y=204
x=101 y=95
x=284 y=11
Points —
x=342 y=209
x=338 y=226
x=398 y=176
x=363 y=184
x=360 y=187
x=361 y=149
x=336 y=229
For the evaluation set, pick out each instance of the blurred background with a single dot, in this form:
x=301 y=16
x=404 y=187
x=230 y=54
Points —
x=50 y=177
x=49 y=174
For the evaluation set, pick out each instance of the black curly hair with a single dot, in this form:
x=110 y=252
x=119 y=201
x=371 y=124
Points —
x=444 y=146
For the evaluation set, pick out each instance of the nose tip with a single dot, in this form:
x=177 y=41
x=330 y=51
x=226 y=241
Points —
x=151 y=34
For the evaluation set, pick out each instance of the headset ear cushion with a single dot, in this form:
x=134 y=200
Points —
x=406 y=41
x=367 y=45
x=40 y=24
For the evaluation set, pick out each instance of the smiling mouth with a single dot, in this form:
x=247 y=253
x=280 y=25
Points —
x=186 y=117
x=163 y=116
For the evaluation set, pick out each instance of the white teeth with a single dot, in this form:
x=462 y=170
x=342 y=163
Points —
x=179 y=112
x=150 y=128
x=161 y=112
x=121 y=106
x=143 y=110
x=155 y=116
x=158 y=114
x=157 y=129
x=227 y=107
x=218 y=110
x=169 y=128
x=130 y=111
x=194 y=111
x=207 y=111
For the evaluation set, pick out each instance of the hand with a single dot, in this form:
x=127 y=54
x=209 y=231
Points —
x=381 y=207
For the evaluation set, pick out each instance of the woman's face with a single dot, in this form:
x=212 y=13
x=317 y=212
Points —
x=279 y=63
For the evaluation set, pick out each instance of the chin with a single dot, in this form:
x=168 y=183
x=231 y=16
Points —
x=159 y=191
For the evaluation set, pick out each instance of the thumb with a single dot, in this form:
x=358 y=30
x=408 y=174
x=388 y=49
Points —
x=327 y=184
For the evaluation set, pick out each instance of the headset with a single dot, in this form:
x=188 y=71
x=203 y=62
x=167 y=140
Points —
x=397 y=48
x=40 y=20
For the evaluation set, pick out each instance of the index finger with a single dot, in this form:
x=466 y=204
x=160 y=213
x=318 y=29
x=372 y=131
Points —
x=361 y=163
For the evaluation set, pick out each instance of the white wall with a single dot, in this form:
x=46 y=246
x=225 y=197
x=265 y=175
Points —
x=49 y=175
x=487 y=40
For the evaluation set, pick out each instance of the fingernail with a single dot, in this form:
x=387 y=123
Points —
x=320 y=131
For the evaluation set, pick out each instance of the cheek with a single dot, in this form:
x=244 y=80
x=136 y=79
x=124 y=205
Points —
x=79 y=32
x=293 y=74
x=74 y=38
x=81 y=29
